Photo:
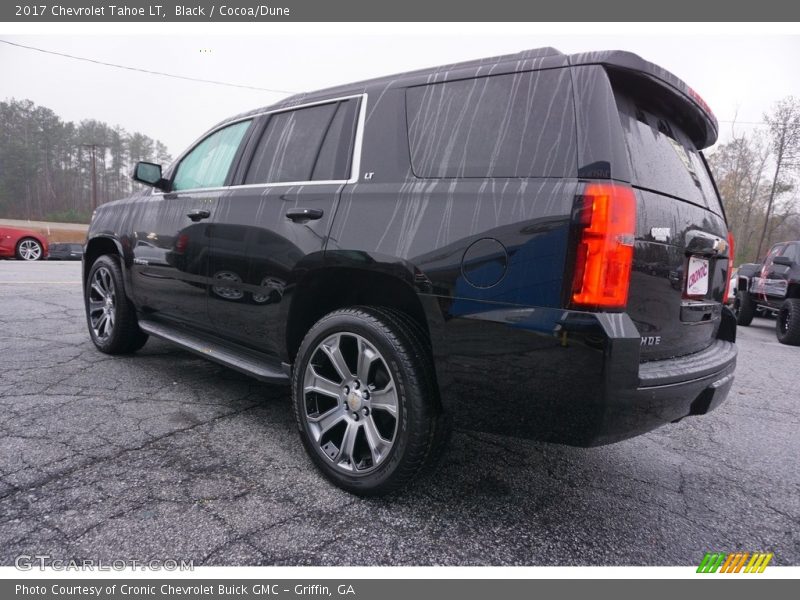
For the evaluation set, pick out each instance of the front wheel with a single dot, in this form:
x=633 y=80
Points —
x=787 y=325
x=744 y=308
x=29 y=249
x=111 y=317
x=364 y=400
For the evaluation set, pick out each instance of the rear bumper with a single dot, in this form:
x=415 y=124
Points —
x=571 y=377
x=668 y=391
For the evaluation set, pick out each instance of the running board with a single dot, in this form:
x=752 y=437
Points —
x=244 y=362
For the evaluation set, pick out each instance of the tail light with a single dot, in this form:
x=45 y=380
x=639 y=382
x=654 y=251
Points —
x=606 y=222
x=182 y=243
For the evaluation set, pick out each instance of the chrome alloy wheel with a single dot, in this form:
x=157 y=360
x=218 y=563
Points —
x=30 y=250
x=102 y=303
x=351 y=403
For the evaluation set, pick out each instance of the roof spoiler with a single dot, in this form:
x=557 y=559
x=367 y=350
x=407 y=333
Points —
x=701 y=124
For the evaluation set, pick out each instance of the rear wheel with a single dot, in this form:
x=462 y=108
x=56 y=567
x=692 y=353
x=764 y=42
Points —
x=364 y=401
x=29 y=249
x=111 y=317
x=744 y=308
x=787 y=324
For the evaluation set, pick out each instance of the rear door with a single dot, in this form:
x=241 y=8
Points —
x=680 y=258
x=280 y=213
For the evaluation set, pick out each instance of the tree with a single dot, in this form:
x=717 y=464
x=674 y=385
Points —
x=739 y=166
x=784 y=131
x=45 y=173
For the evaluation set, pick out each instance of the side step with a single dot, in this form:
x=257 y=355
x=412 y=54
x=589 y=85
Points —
x=243 y=361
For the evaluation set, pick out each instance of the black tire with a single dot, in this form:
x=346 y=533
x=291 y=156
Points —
x=787 y=324
x=35 y=245
x=418 y=427
x=744 y=307
x=444 y=424
x=123 y=335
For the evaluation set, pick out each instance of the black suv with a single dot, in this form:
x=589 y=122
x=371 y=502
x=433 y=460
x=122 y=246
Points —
x=773 y=287
x=529 y=244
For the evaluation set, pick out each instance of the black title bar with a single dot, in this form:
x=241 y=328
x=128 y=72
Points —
x=406 y=10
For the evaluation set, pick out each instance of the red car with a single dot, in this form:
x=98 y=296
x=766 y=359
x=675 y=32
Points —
x=23 y=244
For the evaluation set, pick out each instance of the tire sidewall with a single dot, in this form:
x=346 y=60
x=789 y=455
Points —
x=113 y=268
x=373 y=481
x=792 y=335
x=746 y=308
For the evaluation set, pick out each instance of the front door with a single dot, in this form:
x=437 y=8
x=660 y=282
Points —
x=170 y=247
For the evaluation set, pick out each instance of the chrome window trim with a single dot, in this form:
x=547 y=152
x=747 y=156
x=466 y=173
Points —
x=355 y=163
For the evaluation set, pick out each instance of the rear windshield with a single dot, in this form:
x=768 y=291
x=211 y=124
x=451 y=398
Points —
x=663 y=157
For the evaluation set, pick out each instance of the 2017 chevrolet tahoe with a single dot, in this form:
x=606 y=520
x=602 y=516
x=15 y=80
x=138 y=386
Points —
x=529 y=244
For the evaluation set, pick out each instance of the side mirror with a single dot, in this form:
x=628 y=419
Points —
x=149 y=174
x=782 y=260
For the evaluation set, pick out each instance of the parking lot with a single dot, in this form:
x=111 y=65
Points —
x=165 y=455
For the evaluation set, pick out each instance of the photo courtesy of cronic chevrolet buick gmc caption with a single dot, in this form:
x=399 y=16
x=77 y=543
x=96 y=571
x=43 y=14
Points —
x=529 y=244
x=192 y=590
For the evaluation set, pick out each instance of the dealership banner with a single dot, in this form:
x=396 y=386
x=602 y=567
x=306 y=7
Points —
x=408 y=10
x=380 y=589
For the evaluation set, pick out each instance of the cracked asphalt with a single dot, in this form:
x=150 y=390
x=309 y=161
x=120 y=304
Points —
x=164 y=455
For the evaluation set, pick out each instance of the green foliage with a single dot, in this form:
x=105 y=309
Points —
x=45 y=167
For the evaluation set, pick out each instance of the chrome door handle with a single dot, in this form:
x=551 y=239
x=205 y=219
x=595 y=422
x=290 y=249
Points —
x=198 y=214
x=301 y=215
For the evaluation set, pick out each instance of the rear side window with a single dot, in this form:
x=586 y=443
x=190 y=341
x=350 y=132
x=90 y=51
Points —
x=792 y=252
x=515 y=125
x=307 y=144
x=207 y=165
x=773 y=252
x=663 y=157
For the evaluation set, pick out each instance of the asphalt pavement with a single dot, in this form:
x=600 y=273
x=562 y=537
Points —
x=163 y=455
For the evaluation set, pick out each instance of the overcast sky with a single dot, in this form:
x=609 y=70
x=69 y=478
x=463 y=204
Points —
x=739 y=76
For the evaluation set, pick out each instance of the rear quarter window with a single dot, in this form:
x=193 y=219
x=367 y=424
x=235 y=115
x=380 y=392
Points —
x=514 y=125
x=663 y=157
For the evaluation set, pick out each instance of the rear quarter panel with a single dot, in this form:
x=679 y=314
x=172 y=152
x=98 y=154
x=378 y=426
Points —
x=487 y=258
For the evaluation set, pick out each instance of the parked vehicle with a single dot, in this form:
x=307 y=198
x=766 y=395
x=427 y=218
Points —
x=772 y=287
x=22 y=244
x=733 y=281
x=61 y=251
x=530 y=244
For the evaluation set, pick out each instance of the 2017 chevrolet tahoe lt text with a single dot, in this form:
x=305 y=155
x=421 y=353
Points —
x=528 y=244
